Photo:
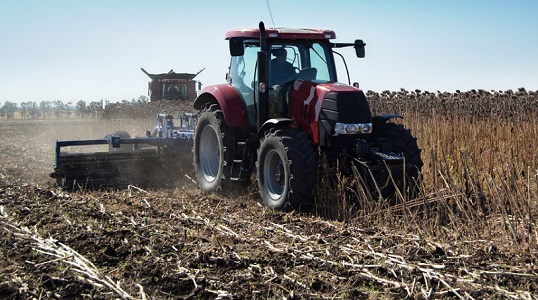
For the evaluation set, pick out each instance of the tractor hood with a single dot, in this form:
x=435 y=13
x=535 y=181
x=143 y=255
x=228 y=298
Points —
x=319 y=107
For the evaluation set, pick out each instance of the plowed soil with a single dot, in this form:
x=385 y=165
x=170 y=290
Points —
x=176 y=243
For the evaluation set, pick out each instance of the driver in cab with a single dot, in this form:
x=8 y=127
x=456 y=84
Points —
x=281 y=70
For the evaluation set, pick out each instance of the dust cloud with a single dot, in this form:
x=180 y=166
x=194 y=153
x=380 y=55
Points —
x=28 y=146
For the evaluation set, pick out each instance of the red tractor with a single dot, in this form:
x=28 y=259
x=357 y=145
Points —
x=282 y=111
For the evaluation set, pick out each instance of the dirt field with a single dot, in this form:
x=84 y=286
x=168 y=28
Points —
x=176 y=243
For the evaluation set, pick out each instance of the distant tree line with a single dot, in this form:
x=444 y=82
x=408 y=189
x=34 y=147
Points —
x=511 y=104
x=32 y=110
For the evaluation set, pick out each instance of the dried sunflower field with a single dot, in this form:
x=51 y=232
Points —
x=470 y=234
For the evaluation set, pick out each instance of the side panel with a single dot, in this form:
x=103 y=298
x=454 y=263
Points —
x=306 y=104
x=229 y=100
x=191 y=90
x=155 y=90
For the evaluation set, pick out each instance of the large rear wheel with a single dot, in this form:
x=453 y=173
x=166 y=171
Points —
x=213 y=146
x=287 y=169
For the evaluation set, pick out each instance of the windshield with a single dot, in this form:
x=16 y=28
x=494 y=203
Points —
x=174 y=90
x=306 y=61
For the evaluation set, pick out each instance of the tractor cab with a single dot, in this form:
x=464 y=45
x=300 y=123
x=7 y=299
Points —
x=287 y=61
x=288 y=55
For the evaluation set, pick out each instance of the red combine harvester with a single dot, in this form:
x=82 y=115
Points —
x=172 y=86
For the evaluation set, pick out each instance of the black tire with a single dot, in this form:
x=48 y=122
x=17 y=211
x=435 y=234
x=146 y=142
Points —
x=213 y=150
x=402 y=143
x=287 y=169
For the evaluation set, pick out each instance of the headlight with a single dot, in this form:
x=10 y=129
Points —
x=342 y=128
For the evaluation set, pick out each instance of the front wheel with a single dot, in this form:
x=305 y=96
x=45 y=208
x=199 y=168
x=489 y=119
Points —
x=287 y=169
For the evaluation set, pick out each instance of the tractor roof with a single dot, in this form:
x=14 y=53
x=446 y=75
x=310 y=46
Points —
x=283 y=33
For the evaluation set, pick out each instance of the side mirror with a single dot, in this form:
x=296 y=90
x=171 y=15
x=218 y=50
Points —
x=359 y=48
x=236 y=47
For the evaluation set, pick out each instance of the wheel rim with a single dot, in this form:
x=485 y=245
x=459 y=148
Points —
x=274 y=175
x=209 y=153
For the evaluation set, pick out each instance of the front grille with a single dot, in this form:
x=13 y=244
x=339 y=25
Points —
x=343 y=107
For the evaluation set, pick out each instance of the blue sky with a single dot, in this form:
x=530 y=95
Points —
x=92 y=50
